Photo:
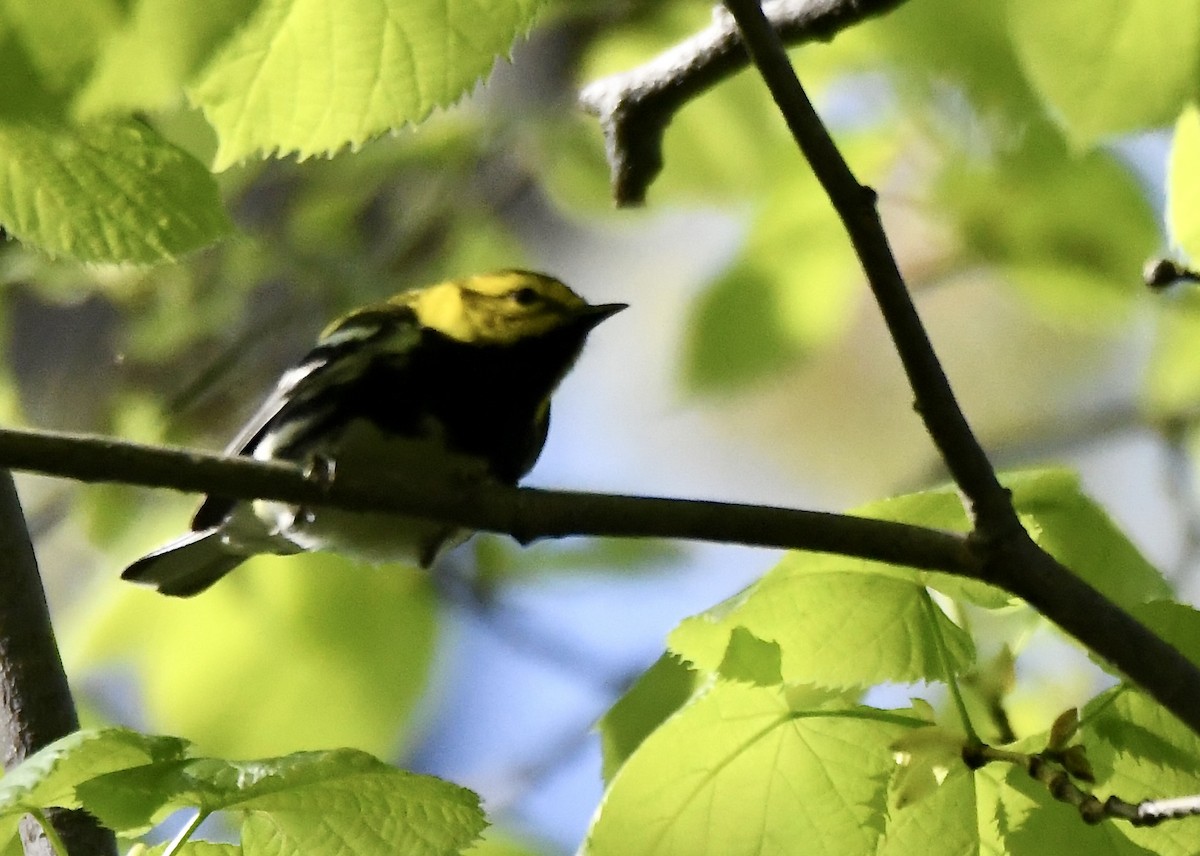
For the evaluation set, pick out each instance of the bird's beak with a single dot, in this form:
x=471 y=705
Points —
x=595 y=314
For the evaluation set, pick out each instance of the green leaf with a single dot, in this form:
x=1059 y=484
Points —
x=1173 y=622
x=837 y=622
x=925 y=757
x=945 y=821
x=277 y=637
x=49 y=777
x=1044 y=217
x=340 y=801
x=1183 y=183
x=61 y=37
x=1173 y=383
x=782 y=300
x=658 y=693
x=145 y=63
x=979 y=61
x=938 y=508
x=1060 y=517
x=1081 y=535
x=739 y=771
x=107 y=191
x=750 y=660
x=301 y=78
x=841 y=622
x=736 y=333
x=1104 y=67
x=1032 y=823
x=1139 y=751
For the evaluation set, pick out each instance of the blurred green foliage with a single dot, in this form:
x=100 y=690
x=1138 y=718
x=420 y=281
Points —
x=142 y=137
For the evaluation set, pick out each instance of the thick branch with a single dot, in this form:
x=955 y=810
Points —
x=635 y=107
x=35 y=701
x=1011 y=559
x=528 y=513
x=525 y=513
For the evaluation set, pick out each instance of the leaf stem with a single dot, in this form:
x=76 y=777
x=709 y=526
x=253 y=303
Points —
x=184 y=834
x=939 y=641
x=56 y=843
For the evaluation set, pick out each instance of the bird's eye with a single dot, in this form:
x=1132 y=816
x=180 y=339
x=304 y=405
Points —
x=526 y=296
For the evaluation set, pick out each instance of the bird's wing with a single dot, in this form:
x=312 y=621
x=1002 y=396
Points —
x=340 y=356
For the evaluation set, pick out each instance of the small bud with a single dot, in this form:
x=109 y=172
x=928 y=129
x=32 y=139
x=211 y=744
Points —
x=1075 y=762
x=1160 y=274
x=1063 y=729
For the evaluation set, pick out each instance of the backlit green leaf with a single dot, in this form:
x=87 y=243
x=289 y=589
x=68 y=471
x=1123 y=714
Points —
x=738 y=772
x=1046 y=218
x=339 y=801
x=107 y=191
x=145 y=63
x=309 y=78
x=1139 y=751
x=61 y=37
x=1108 y=66
x=1081 y=535
x=1183 y=183
x=658 y=693
x=837 y=622
x=49 y=777
x=349 y=646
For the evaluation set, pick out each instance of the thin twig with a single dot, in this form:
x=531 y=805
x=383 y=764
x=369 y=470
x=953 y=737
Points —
x=1056 y=770
x=635 y=107
x=1150 y=812
x=1161 y=274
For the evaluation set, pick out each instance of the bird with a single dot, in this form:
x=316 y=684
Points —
x=453 y=377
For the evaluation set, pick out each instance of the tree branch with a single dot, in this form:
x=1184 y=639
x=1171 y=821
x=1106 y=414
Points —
x=635 y=107
x=529 y=513
x=35 y=701
x=855 y=205
x=525 y=513
x=1011 y=559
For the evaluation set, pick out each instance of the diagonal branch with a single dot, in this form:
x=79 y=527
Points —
x=634 y=107
x=1011 y=560
x=855 y=205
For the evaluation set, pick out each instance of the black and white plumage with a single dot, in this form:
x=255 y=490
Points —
x=459 y=370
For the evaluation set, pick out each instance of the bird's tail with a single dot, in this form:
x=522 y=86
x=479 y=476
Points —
x=186 y=566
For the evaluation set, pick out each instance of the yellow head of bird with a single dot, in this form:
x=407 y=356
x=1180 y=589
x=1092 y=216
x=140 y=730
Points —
x=503 y=308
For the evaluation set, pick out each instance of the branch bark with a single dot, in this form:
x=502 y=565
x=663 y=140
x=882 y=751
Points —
x=1010 y=558
x=528 y=513
x=855 y=205
x=635 y=107
x=525 y=513
x=35 y=701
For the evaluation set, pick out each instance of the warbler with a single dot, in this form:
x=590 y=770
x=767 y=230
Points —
x=458 y=371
